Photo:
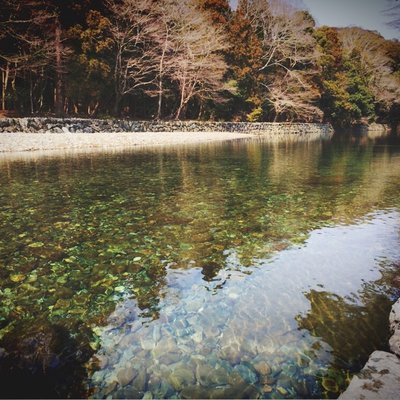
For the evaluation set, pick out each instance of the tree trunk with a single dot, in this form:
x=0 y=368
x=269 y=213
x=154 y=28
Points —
x=117 y=81
x=58 y=97
x=160 y=78
x=178 y=112
x=117 y=104
x=160 y=88
x=4 y=84
x=182 y=100
x=201 y=109
x=14 y=87
x=31 y=94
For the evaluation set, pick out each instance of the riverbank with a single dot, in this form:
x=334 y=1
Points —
x=38 y=134
x=22 y=142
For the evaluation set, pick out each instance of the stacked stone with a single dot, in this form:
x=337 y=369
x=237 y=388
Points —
x=72 y=125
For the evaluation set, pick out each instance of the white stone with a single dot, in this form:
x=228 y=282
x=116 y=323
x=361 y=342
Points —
x=394 y=343
x=379 y=379
x=394 y=317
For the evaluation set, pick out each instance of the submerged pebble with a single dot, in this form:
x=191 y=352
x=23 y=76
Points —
x=267 y=389
x=262 y=368
x=126 y=375
x=180 y=377
x=281 y=390
x=246 y=373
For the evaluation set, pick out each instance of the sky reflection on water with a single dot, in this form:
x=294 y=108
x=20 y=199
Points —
x=284 y=313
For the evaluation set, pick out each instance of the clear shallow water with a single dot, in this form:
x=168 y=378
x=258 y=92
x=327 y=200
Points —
x=235 y=270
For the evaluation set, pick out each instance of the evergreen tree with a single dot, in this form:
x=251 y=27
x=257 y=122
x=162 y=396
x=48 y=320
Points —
x=245 y=62
x=219 y=10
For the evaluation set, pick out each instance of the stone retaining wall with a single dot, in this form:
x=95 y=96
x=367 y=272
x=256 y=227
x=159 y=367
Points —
x=66 y=125
x=373 y=130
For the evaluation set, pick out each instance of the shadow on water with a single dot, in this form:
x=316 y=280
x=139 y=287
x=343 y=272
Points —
x=353 y=326
x=350 y=329
x=41 y=360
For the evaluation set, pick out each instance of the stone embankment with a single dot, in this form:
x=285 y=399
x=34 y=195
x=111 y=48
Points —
x=380 y=377
x=373 y=130
x=67 y=125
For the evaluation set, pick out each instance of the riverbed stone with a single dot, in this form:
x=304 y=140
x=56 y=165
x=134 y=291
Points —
x=170 y=358
x=211 y=331
x=267 y=380
x=202 y=373
x=109 y=387
x=267 y=389
x=165 y=345
x=147 y=343
x=235 y=379
x=139 y=383
x=180 y=377
x=194 y=392
x=262 y=368
x=148 y=396
x=246 y=373
x=379 y=379
x=162 y=390
x=207 y=375
x=231 y=353
x=281 y=390
x=198 y=336
x=126 y=375
x=238 y=392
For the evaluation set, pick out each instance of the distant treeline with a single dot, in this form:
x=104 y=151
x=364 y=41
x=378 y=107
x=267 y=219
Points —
x=193 y=59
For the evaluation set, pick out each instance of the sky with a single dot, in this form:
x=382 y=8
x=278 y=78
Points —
x=368 y=14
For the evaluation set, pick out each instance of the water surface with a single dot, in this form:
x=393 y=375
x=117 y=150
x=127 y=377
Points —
x=242 y=269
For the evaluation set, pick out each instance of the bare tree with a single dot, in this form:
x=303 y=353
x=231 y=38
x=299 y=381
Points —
x=164 y=51
x=294 y=98
x=133 y=26
x=197 y=44
x=287 y=43
x=375 y=62
x=393 y=12
x=165 y=40
x=289 y=58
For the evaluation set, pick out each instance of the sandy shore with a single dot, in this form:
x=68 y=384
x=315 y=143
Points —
x=20 y=142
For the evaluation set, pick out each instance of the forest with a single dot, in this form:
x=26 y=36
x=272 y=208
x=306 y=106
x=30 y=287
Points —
x=193 y=59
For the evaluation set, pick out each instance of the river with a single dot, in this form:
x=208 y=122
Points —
x=229 y=270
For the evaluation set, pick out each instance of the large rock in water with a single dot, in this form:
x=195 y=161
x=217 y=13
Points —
x=394 y=343
x=379 y=379
x=394 y=320
x=394 y=317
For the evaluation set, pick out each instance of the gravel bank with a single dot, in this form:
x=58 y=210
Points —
x=19 y=142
